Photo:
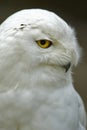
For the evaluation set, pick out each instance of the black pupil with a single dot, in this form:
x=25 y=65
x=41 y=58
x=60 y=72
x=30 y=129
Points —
x=43 y=42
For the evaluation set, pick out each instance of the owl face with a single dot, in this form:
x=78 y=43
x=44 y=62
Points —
x=39 y=38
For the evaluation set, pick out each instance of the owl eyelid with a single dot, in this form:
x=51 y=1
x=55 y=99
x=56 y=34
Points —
x=45 y=40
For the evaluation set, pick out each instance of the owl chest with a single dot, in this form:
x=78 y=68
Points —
x=38 y=110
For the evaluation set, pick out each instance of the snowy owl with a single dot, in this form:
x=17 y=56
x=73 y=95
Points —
x=37 y=52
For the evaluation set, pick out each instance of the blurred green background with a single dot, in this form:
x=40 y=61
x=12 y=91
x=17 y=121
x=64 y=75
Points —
x=72 y=11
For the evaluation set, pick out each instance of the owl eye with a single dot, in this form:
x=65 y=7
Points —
x=44 y=43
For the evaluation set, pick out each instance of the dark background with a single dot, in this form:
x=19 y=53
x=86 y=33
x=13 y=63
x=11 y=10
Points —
x=72 y=11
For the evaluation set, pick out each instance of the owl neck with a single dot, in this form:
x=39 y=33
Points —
x=45 y=77
x=50 y=77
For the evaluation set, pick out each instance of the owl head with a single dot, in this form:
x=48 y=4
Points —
x=36 y=38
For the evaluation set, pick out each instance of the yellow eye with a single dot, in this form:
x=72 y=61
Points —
x=44 y=43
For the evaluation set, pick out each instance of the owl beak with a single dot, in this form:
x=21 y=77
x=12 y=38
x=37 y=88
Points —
x=67 y=67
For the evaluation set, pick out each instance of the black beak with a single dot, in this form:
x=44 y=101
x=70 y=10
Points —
x=67 y=66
